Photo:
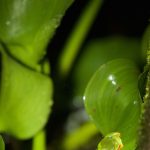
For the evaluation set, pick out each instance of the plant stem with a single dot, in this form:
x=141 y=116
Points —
x=144 y=136
x=39 y=141
x=78 y=36
x=2 y=145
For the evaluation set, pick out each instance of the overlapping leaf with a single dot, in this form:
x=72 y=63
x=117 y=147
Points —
x=26 y=27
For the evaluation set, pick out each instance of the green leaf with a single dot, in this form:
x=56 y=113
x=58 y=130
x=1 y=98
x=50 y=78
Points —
x=27 y=25
x=2 y=146
x=100 y=51
x=25 y=99
x=112 y=100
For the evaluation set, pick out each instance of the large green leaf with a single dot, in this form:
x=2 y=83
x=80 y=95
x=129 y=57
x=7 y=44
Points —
x=27 y=25
x=112 y=100
x=25 y=99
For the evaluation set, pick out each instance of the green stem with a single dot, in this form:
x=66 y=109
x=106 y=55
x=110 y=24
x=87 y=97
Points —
x=78 y=36
x=2 y=145
x=144 y=136
x=39 y=141
x=79 y=137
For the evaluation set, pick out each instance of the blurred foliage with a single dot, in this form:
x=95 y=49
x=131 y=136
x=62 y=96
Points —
x=2 y=146
x=79 y=137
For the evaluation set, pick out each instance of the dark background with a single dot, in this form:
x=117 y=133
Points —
x=119 y=17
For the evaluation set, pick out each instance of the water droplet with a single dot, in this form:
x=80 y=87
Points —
x=113 y=82
x=84 y=98
x=112 y=79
